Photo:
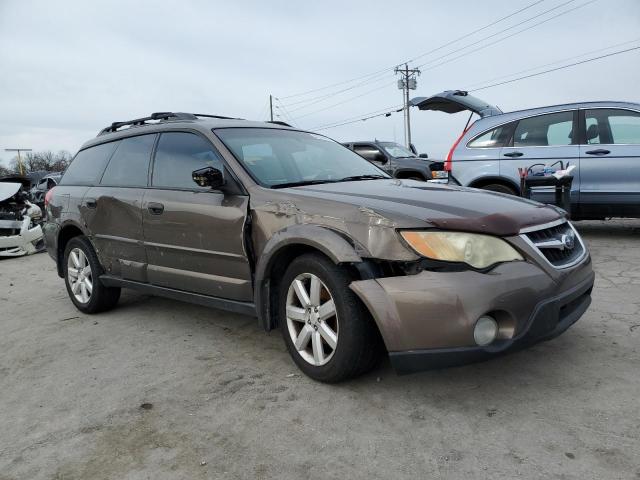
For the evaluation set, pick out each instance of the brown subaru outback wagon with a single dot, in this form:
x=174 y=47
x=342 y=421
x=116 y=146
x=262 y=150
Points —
x=309 y=237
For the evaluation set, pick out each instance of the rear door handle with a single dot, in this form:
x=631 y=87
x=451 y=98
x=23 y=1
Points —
x=91 y=202
x=155 y=208
x=600 y=151
x=514 y=154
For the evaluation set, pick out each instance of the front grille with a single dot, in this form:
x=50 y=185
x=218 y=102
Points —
x=559 y=244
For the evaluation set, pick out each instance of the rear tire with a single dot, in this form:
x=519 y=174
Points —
x=349 y=342
x=82 y=272
x=498 y=187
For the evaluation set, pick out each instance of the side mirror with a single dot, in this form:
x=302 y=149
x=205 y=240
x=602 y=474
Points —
x=423 y=155
x=208 y=177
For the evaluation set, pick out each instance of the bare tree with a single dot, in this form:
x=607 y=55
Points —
x=45 y=160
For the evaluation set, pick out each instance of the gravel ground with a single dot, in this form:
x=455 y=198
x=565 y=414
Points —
x=159 y=389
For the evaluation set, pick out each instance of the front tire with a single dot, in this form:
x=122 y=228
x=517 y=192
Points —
x=82 y=270
x=498 y=187
x=328 y=332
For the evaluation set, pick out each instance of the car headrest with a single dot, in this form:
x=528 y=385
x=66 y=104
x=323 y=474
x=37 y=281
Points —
x=592 y=132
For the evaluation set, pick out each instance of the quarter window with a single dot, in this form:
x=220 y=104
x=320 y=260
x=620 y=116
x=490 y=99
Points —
x=612 y=126
x=544 y=130
x=88 y=165
x=129 y=165
x=493 y=138
x=178 y=154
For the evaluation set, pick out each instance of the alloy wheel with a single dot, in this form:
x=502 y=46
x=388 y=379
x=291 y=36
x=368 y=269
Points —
x=80 y=275
x=312 y=320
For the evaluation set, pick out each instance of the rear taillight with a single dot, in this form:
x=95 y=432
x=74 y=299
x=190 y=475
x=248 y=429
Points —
x=47 y=197
x=447 y=163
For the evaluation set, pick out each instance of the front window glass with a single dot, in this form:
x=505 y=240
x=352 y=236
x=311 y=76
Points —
x=611 y=126
x=544 y=130
x=277 y=157
x=396 y=150
x=178 y=154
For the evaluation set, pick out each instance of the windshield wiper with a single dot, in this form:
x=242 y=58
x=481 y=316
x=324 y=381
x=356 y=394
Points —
x=301 y=183
x=362 y=177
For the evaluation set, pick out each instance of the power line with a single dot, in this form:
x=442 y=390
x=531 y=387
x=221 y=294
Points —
x=327 y=95
x=344 y=101
x=557 y=68
x=466 y=46
x=386 y=112
x=377 y=72
x=479 y=84
x=346 y=122
x=429 y=67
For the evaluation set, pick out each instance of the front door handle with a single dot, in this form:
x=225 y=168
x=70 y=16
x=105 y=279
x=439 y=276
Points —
x=155 y=208
x=600 y=151
x=514 y=154
x=90 y=202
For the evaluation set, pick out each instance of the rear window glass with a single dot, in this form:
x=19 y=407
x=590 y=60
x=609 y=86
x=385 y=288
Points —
x=493 y=138
x=129 y=165
x=88 y=165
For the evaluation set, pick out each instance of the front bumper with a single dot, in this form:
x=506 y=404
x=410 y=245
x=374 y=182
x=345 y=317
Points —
x=29 y=239
x=427 y=320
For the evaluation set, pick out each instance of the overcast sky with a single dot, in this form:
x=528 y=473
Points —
x=69 y=68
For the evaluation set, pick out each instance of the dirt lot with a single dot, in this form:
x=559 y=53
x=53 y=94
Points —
x=225 y=401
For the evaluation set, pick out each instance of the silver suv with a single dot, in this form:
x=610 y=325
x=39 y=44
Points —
x=602 y=139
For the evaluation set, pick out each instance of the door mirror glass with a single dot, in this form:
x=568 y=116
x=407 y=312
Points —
x=423 y=155
x=208 y=177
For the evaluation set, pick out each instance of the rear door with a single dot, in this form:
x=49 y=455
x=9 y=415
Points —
x=544 y=139
x=194 y=235
x=113 y=208
x=610 y=163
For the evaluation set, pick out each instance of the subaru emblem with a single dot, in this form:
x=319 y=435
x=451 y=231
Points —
x=568 y=240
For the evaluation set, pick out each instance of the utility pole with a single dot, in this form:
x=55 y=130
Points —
x=406 y=83
x=271 y=106
x=19 y=157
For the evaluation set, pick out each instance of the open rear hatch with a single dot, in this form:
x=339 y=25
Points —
x=454 y=101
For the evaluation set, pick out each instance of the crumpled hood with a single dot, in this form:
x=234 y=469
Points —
x=443 y=206
x=8 y=190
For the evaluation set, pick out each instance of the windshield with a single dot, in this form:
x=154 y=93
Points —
x=396 y=150
x=277 y=157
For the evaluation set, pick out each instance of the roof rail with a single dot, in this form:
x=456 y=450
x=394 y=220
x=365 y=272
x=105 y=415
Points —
x=115 y=126
x=279 y=122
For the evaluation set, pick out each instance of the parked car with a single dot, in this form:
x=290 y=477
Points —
x=399 y=161
x=602 y=139
x=20 y=220
x=311 y=238
x=40 y=189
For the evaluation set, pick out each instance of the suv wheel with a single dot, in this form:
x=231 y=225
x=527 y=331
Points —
x=498 y=187
x=81 y=274
x=328 y=332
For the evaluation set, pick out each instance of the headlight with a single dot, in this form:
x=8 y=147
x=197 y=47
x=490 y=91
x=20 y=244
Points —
x=479 y=251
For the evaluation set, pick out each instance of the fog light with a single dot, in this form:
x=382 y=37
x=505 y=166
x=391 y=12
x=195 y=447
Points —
x=485 y=331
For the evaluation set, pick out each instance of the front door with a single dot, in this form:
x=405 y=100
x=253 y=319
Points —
x=193 y=235
x=546 y=140
x=610 y=163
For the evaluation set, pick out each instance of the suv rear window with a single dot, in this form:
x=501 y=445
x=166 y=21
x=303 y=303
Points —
x=129 y=165
x=493 y=138
x=88 y=165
